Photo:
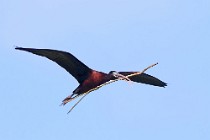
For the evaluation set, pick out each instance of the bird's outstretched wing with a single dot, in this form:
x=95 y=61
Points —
x=66 y=60
x=145 y=78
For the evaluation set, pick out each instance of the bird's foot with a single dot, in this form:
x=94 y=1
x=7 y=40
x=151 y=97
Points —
x=69 y=98
x=66 y=100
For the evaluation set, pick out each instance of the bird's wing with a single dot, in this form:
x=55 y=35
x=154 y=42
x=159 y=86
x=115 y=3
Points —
x=145 y=78
x=66 y=60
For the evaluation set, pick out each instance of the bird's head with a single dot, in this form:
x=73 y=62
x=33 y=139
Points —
x=118 y=75
x=113 y=73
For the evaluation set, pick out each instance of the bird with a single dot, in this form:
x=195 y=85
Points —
x=89 y=79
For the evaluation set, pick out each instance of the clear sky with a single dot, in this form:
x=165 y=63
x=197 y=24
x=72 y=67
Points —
x=121 y=35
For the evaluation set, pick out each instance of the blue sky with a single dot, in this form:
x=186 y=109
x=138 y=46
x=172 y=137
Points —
x=121 y=35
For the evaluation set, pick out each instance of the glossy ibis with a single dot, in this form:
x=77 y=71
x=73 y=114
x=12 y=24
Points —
x=88 y=78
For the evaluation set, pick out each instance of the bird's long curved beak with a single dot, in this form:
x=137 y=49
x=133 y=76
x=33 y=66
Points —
x=120 y=76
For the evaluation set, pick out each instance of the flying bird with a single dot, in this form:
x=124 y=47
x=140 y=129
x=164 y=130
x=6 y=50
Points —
x=88 y=78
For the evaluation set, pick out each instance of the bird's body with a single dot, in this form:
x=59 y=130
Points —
x=88 y=78
x=94 y=79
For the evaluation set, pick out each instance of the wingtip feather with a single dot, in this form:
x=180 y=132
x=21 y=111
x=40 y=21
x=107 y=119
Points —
x=18 y=48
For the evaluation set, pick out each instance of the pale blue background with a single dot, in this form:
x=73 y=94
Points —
x=106 y=35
